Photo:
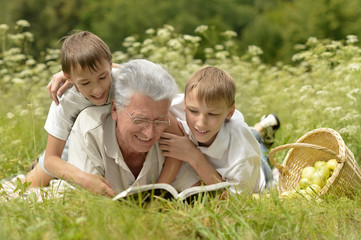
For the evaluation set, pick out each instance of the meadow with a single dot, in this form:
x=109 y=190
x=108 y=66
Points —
x=322 y=88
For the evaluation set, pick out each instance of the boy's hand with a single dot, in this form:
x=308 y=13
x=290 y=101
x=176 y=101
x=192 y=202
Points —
x=179 y=147
x=96 y=184
x=57 y=86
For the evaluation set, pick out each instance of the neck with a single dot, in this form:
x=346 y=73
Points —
x=134 y=161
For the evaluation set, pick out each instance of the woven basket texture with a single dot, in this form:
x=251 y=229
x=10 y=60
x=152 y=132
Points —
x=319 y=145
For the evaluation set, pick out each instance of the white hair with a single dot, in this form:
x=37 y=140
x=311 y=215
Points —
x=141 y=76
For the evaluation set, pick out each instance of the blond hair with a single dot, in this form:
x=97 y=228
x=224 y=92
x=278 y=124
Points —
x=212 y=85
x=83 y=48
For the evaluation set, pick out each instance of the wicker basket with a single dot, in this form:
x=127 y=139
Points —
x=319 y=145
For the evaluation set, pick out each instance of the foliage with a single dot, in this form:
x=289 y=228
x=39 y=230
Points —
x=320 y=89
x=273 y=25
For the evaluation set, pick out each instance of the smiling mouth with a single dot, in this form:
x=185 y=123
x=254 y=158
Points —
x=143 y=139
x=99 y=98
x=201 y=132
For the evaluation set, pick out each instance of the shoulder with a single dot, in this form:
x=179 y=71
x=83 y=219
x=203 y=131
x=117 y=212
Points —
x=91 y=118
x=241 y=135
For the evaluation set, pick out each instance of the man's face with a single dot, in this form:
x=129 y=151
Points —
x=133 y=137
x=205 y=120
x=93 y=85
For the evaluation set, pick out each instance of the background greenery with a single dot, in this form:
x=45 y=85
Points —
x=273 y=25
x=318 y=86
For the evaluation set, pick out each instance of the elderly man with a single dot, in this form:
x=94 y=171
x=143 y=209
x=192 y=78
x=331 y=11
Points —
x=119 y=142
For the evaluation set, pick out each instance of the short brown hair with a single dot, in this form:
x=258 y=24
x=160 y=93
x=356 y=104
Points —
x=83 y=48
x=212 y=85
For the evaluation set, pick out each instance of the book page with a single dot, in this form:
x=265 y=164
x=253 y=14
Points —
x=158 y=189
x=207 y=188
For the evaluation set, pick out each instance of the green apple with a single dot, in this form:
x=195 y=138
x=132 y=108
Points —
x=307 y=172
x=323 y=171
x=304 y=183
x=319 y=164
x=331 y=164
x=318 y=179
x=313 y=189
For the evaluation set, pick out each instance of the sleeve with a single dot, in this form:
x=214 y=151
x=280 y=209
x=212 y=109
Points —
x=85 y=154
x=246 y=173
x=177 y=107
x=62 y=117
x=245 y=159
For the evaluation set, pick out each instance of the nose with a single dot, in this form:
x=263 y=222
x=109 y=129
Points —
x=97 y=90
x=149 y=130
x=201 y=121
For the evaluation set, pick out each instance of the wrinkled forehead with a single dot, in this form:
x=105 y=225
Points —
x=146 y=106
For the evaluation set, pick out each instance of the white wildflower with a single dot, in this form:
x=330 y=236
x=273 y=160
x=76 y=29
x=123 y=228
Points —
x=321 y=92
x=18 y=80
x=254 y=50
x=24 y=112
x=163 y=33
x=354 y=67
x=305 y=88
x=16 y=142
x=201 y=29
x=229 y=34
x=10 y=115
x=193 y=39
x=38 y=111
x=351 y=39
x=312 y=41
x=150 y=31
x=4 y=27
x=23 y=23
x=219 y=47
x=148 y=41
x=30 y=62
x=208 y=50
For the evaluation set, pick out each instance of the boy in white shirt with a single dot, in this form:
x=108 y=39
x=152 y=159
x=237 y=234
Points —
x=218 y=144
x=87 y=64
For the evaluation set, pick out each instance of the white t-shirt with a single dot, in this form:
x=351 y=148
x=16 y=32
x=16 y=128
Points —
x=62 y=117
x=235 y=153
x=94 y=149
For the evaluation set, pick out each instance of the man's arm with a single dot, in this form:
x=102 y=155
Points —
x=62 y=169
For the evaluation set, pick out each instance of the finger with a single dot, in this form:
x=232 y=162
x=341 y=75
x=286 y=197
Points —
x=166 y=135
x=182 y=128
x=163 y=147
x=63 y=88
x=51 y=94
x=110 y=192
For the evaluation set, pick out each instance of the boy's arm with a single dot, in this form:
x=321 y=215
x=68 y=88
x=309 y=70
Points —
x=182 y=148
x=171 y=165
x=62 y=169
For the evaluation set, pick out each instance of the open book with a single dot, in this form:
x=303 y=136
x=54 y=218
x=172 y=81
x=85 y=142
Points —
x=167 y=191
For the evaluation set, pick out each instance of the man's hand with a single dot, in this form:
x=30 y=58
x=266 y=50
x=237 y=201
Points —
x=96 y=184
x=57 y=86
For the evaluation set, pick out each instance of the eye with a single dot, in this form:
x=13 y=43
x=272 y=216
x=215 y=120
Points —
x=103 y=77
x=140 y=121
x=213 y=114
x=86 y=83
x=192 y=110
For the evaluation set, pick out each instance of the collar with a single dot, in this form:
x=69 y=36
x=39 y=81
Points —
x=219 y=145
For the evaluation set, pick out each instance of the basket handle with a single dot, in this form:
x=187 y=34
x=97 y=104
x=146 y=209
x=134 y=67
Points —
x=301 y=145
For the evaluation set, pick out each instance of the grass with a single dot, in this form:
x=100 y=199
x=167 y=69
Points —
x=321 y=89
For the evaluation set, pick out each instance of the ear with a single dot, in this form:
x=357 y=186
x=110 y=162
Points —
x=68 y=78
x=114 y=111
x=231 y=112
